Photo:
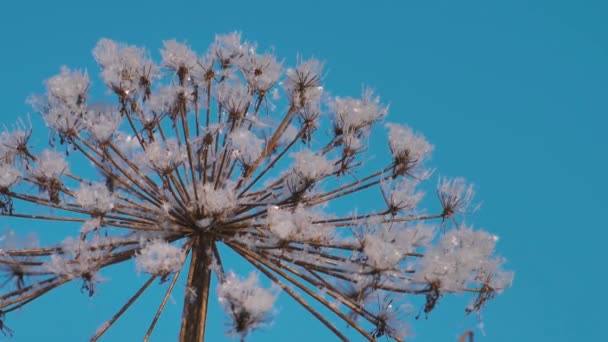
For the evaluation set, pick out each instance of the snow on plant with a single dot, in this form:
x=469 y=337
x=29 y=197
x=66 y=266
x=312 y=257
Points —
x=160 y=257
x=248 y=304
x=229 y=150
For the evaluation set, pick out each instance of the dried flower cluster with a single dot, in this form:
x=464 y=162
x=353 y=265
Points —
x=232 y=150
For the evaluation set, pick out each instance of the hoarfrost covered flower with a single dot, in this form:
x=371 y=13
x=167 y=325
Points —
x=235 y=99
x=249 y=305
x=103 y=124
x=125 y=69
x=179 y=58
x=357 y=115
x=401 y=195
x=14 y=145
x=18 y=266
x=455 y=195
x=297 y=225
x=311 y=166
x=95 y=198
x=219 y=201
x=303 y=83
x=184 y=166
x=69 y=87
x=262 y=71
x=91 y=225
x=246 y=145
x=79 y=259
x=50 y=164
x=387 y=246
x=462 y=256
x=8 y=175
x=227 y=48
x=160 y=258
x=164 y=157
x=408 y=148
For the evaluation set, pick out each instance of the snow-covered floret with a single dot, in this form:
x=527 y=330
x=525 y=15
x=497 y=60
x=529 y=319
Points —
x=247 y=146
x=262 y=71
x=391 y=317
x=357 y=115
x=179 y=58
x=125 y=68
x=64 y=121
x=164 y=158
x=173 y=99
x=69 y=87
x=462 y=257
x=296 y=225
x=401 y=195
x=95 y=198
x=310 y=166
x=387 y=246
x=409 y=149
x=455 y=195
x=249 y=305
x=235 y=99
x=227 y=48
x=90 y=225
x=50 y=164
x=160 y=258
x=15 y=143
x=20 y=266
x=103 y=124
x=219 y=201
x=64 y=106
x=303 y=83
x=353 y=144
x=78 y=259
x=8 y=175
x=382 y=254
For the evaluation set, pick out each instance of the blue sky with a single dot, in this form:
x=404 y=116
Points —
x=513 y=95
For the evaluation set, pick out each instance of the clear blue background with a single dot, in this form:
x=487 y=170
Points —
x=513 y=94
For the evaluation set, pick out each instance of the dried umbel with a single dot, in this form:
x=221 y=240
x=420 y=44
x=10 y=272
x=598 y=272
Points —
x=230 y=150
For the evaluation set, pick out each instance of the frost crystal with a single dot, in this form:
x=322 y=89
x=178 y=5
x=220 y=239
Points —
x=50 y=165
x=70 y=87
x=95 y=198
x=103 y=125
x=247 y=145
x=356 y=115
x=303 y=83
x=178 y=57
x=310 y=166
x=455 y=195
x=219 y=201
x=160 y=258
x=8 y=175
x=249 y=305
x=408 y=148
x=297 y=225
x=461 y=257
x=125 y=69
x=164 y=158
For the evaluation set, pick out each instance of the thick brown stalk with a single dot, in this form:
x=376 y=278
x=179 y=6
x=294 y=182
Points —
x=194 y=315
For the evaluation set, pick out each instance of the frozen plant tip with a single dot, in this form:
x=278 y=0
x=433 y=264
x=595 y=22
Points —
x=230 y=153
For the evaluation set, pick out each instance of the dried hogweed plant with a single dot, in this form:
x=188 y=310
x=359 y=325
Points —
x=232 y=151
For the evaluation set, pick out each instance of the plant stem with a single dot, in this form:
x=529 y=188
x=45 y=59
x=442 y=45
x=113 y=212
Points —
x=194 y=315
